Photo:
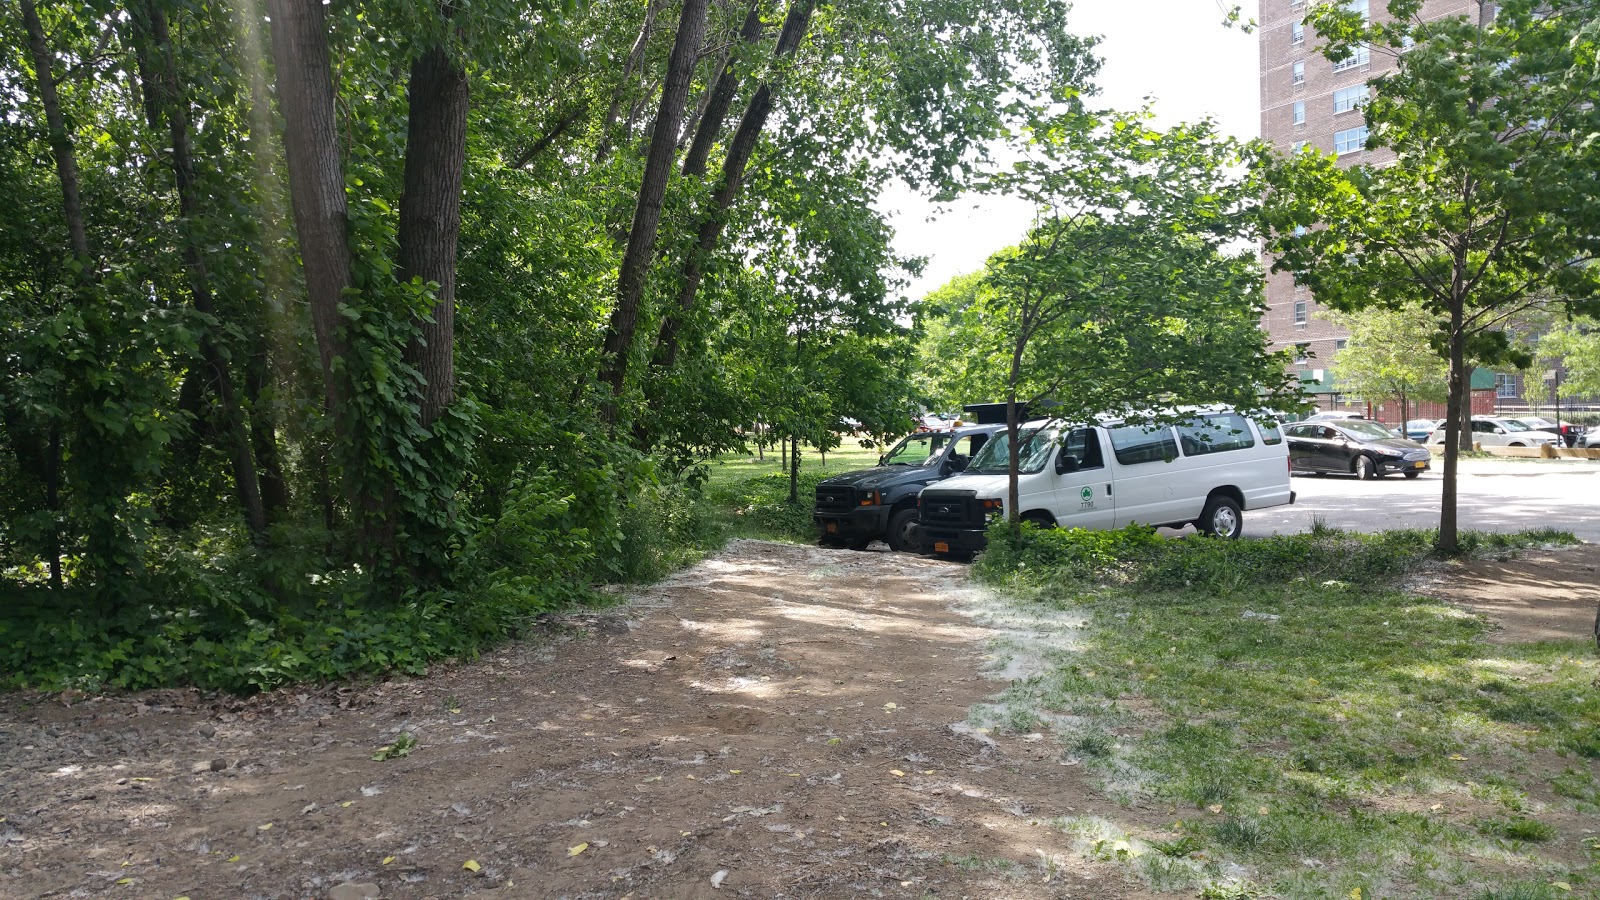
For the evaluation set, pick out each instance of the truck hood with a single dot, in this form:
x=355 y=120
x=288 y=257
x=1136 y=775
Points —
x=881 y=477
x=982 y=486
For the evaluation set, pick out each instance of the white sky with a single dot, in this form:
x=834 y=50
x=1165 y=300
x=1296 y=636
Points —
x=1176 y=51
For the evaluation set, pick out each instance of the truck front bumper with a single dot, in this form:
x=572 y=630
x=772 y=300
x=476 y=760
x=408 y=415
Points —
x=946 y=540
x=865 y=522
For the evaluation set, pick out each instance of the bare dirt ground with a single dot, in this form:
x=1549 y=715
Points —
x=777 y=721
x=1549 y=596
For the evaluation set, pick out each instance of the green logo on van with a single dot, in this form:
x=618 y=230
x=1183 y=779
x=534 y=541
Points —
x=1087 y=494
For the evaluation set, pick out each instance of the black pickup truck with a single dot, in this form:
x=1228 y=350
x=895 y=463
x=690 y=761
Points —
x=856 y=508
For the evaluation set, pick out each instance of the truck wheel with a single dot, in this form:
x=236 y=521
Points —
x=900 y=531
x=1222 y=517
x=1039 y=519
x=831 y=541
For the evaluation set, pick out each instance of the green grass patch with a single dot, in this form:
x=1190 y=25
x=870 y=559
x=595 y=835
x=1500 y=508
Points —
x=1303 y=706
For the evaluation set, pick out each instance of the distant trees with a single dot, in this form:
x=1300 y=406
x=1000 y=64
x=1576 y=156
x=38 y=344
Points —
x=1491 y=202
x=1389 y=356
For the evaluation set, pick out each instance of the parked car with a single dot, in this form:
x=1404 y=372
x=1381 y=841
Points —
x=857 y=508
x=1569 y=432
x=1419 y=429
x=1590 y=439
x=1364 y=449
x=1206 y=471
x=1333 y=415
x=1493 y=431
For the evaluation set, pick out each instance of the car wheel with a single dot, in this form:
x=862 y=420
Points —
x=1222 y=517
x=1366 y=469
x=900 y=530
x=1515 y=444
x=1413 y=474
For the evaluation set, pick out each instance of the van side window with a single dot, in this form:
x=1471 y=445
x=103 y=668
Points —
x=1143 y=443
x=1270 y=435
x=1216 y=433
x=1084 y=446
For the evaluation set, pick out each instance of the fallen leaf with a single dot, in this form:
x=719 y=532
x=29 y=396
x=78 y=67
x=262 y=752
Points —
x=266 y=827
x=794 y=774
x=387 y=860
x=734 y=771
x=1561 y=885
x=574 y=851
x=234 y=858
x=1457 y=757
x=1436 y=806
x=1216 y=808
x=690 y=777
x=927 y=771
x=834 y=741
x=471 y=865
x=1262 y=811
x=890 y=706
x=124 y=881
x=897 y=773
x=346 y=804
x=455 y=711
x=144 y=779
x=718 y=878
x=1355 y=894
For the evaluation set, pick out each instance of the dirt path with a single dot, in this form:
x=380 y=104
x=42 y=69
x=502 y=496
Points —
x=1548 y=596
x=778 y=721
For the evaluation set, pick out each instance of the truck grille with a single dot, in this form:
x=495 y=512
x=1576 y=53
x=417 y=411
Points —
x=835 y=498
x=949 y=508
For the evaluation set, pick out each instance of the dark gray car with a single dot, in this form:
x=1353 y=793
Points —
x=1353 y=447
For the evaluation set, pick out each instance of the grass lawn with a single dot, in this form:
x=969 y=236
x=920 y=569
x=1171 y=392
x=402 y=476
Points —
x=1309 y=726
x=727 y=469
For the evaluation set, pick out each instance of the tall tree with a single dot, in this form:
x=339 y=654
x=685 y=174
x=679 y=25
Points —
x=636 y=258
x=430 y=211
x=1490 y=203
x=1385 y=357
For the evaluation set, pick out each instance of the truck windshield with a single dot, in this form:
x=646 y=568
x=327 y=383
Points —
x=916 y=450
x=995 y=457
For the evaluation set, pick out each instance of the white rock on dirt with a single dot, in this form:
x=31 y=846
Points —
x=351 y=890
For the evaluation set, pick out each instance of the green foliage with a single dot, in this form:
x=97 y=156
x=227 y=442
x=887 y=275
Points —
x=1294 y=693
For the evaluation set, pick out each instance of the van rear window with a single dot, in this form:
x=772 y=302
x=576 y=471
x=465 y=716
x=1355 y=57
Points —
x=1143 y=443
x=1270 y=434
x=1215 y=433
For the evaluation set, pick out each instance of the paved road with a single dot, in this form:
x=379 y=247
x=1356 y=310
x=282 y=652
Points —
x=1495 y=495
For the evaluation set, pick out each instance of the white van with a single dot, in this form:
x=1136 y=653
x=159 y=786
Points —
x=1204 y=471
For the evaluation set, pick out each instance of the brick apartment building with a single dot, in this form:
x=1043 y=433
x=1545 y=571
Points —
x=1308 y=101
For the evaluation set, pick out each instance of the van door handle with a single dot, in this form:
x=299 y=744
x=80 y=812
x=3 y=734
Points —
x=1108 y=490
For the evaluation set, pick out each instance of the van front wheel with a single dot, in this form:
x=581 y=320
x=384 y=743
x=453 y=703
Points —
x=1222 y=517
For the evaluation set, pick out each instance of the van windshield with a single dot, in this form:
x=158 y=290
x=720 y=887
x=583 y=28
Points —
x=995 y=457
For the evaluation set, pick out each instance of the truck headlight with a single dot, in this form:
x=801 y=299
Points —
x=872 y=498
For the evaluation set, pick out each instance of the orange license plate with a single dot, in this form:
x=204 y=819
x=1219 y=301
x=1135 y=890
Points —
x=1422 y=465
x=941 y=547
x=833 y=527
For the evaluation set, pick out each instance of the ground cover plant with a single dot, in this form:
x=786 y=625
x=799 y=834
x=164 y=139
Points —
x=1315 y=726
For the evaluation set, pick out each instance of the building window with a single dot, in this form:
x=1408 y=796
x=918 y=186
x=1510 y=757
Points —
x=1297 y=74
x=1299 y=287
x=1359 y=7
x=1299 y=230
x=1350 y=140
x=1297 y=33
x=1299 y=112
x=1359 y=57
x=1346 y=99
x=1300 y=145
x=1302 y=313
x=1302 y=353
x=1340 y=344
x=1505 y=386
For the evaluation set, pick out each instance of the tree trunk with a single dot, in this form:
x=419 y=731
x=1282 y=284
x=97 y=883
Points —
x=430 y=215
x=60 y=144
x=794 y=470
x=1458 y=399
x=647 y=211
x=264 y=435
x=751 y=124
x=719 y=99
x=305 y=93
x=164 y=96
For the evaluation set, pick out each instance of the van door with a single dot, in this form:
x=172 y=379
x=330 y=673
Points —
x=1083 y=491
x=1144 y=479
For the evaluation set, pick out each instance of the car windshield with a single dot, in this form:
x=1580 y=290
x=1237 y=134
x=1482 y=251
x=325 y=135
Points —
x=1366 y=429
x=1514 y=425
x=916 y=450
x=1540 y=424
x=995 y=457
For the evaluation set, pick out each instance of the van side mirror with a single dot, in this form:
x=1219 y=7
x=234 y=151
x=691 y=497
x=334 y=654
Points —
x=958 y=463
x=880 y=459
x=1066 y=463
